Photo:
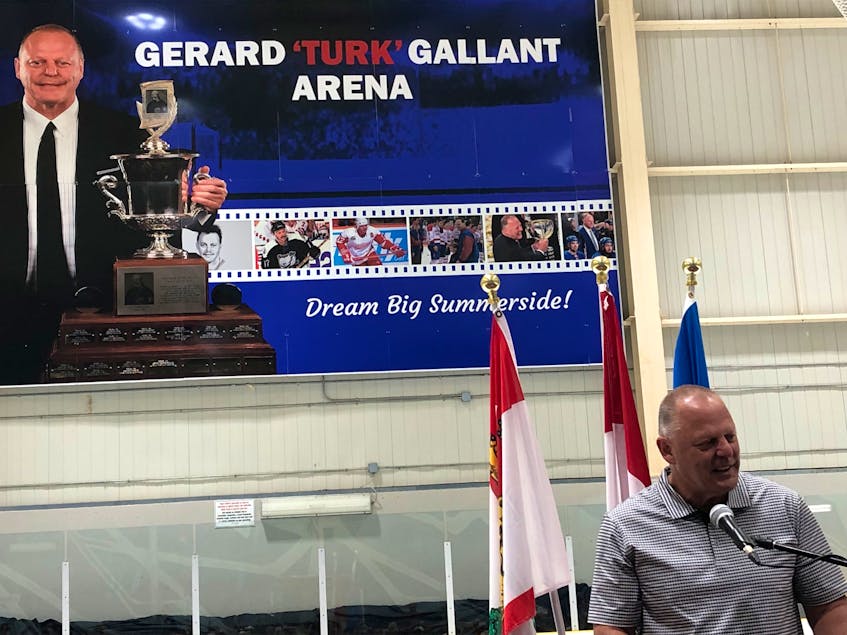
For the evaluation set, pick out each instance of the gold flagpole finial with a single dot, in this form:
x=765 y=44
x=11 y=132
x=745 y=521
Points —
x=490 y=283
x=600 y=267
x=691 y=266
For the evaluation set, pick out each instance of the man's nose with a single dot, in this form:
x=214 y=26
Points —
x=50 y=68
x=724 y=447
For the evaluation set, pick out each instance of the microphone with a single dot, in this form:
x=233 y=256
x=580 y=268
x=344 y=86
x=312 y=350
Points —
x=721 y=517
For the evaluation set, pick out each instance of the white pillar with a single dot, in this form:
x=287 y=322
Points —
x=322 y=590
x=195 y=594
x=66 y=598
x=636 y=222
x=448 y=580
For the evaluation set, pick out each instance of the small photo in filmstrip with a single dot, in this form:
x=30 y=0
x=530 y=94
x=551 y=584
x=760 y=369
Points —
x=291 y=244
x=437 y=240
x=369 y=242
x=587 y=235
x=523 y=237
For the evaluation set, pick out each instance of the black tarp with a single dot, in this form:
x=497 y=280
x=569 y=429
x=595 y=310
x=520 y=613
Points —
x=419 y=617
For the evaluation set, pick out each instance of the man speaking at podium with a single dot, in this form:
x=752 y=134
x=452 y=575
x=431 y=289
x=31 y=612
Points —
x=662 y=568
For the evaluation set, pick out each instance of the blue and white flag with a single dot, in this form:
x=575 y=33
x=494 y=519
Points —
x=689 y=359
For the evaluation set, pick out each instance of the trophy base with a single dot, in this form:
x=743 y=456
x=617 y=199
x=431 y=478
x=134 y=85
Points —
x=84 y=330
x=139 y=362
x=158 y=286
x=106 y=347
x=159 y=247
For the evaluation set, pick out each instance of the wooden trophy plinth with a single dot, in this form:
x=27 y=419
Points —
x=154 y=361
x=162 y=326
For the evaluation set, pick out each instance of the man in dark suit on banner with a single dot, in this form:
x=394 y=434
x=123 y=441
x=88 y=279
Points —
x=587 y=233
x=80 y=138
x=508 y=245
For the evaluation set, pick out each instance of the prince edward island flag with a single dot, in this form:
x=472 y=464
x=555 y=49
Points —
x=526 y=549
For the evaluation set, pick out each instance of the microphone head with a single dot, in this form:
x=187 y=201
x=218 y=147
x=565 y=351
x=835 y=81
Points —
x=718 y=512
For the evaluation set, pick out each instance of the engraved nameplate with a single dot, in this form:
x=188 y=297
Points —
x=244 y=332
x=80 y=336
x=145 y=334
x=178 y=333
x=113 y=334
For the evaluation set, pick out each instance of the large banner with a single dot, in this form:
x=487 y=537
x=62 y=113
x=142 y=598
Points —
x=380 y=156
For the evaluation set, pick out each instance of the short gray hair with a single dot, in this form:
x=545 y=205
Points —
x=669 y=407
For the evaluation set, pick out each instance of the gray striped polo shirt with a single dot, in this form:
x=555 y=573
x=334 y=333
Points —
x=662 y=566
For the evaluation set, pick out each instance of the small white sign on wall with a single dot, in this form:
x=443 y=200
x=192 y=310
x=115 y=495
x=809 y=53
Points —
x=235 y=513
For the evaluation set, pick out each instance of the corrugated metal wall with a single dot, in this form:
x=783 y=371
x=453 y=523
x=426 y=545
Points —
x=279 y=436
x=741 y=227
x=770 y=243
x=731 y=9
x=744 y=96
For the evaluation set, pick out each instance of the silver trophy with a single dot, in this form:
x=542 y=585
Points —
x=154 y=179
x=542 y=229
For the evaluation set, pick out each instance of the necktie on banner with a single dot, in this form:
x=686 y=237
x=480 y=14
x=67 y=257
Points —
x=527 y=556
x=626 y=461
x=51 y=270
x=689 y=359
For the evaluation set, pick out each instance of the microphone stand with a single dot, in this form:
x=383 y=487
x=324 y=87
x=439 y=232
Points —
x=769 y=543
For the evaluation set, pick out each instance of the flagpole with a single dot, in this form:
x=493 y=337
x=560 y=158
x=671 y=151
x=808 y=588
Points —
x=691 y=266
x=600 y=266
x=689 y=357
x=490 y=284
x=626 y=461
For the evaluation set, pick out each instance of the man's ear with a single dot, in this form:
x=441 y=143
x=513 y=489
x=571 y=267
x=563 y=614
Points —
x=665 y=449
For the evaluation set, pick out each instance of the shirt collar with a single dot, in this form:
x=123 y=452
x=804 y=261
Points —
x=61 y=122
x=677 y=507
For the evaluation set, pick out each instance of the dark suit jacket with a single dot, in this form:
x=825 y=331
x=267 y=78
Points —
x=586 y=245
x=510 y=250
x=27 y=323
x=99 y=238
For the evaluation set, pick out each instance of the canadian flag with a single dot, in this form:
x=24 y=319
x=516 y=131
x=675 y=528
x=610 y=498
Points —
x=626 y=461
x=527 y=554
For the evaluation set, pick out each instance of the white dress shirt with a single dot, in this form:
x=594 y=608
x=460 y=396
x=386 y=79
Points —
x=67 y=129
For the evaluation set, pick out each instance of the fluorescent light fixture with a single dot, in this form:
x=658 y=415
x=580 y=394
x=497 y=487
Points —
x=322 y=505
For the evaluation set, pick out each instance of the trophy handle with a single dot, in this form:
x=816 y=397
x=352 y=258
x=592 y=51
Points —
x=200 y=213
x=113 y=203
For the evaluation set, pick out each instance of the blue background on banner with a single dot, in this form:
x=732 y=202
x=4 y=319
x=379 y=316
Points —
x=430 y=341
x=472 y=132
